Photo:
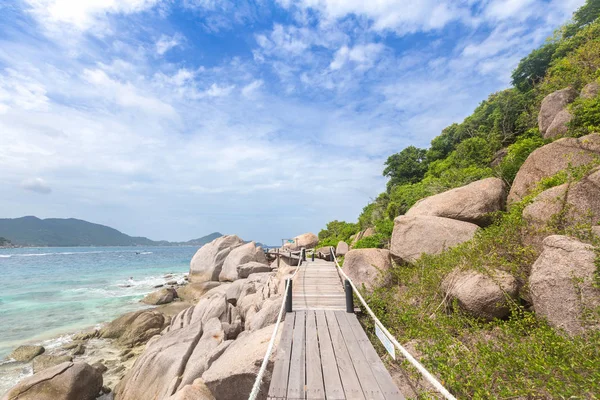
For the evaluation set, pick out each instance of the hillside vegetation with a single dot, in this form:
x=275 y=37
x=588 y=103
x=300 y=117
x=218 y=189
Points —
x=33 y=231
x=521 y=356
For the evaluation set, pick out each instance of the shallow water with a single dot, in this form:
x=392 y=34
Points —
x=49 y=292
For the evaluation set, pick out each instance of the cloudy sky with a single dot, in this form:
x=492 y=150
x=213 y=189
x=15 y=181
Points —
x=175 y=118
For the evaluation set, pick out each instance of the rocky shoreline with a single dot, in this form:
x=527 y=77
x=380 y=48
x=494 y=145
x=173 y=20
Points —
x=205 y=338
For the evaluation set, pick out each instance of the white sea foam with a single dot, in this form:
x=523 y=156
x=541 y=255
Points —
x=5 y=255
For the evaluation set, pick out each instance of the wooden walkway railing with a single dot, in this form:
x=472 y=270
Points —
x=323 y=352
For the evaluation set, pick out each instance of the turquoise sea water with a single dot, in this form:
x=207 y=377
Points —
x=48 y=292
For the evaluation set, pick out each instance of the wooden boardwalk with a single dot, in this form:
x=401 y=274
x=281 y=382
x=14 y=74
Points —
x=324 y=352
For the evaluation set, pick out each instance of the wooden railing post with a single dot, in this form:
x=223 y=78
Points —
x=349 y=297
x=288 y=299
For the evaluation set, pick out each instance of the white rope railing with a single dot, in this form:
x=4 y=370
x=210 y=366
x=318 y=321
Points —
x=430 y=378
x=265 y=362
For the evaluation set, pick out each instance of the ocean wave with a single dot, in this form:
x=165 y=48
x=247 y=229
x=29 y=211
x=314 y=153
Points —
x=70 y=253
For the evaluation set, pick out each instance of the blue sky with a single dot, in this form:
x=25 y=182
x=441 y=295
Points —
x=173 y=119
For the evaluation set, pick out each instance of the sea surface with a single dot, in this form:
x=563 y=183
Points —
x=46 y=293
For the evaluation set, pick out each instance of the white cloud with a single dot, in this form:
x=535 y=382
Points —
x=166 y=43
x=363 y=56
x=37 y=185
x=83 y=14
x=250 y=89
x=21 y=91
x=126 y=94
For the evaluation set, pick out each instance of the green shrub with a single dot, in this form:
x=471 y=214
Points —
x=518 y=153
x=377 y=241
x=586 y=117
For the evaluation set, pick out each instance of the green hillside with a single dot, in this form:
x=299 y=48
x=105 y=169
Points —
x=33 y=231
x=522 y=356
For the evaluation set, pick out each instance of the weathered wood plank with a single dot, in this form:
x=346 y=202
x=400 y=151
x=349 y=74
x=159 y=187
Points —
x=279 y=378
x=350 y=382
x=296 y=381
x=331 y=377
x=363 y=370
x=314 y=373
x=384 y=379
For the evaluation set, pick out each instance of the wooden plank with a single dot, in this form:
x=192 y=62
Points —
x=296 y=380
x=363 y=370
x=314 y=374
x=384 y=379
x=331 y=377
x=350 y=381
x=279 y=378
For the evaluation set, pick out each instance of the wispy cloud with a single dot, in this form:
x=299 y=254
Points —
x=169 y=128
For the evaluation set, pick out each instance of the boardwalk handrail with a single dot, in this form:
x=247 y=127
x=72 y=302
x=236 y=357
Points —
x=430 y=378
x=265 y=362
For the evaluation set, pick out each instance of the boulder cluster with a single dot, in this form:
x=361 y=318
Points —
x=214 y=348
x=562 y=284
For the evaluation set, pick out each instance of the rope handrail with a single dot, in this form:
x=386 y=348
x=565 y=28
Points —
x=263 y=367
x=430 y=378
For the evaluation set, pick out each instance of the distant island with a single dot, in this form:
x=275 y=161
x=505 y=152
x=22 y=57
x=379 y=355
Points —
x=70 y=232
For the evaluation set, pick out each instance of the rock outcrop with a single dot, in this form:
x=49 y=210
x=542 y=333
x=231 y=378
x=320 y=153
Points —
x=161 y=296
x=342 y=249
x=552 y=158
x=563 y=206
x=471 y=203
x=192 y=292
x=559 y=126
x=231 y=376
x=482 y=295
x=238 y=256
x=416 y=235
x=208 y=261
x=45 y=361
x=368 y=267
x=590 y=90
x=361 y=235
x=26 y=353
x=562 y=284
x=552 y=105
x=135 y=327
x=66 y=381
x=172 y=361
x=253 y=267
x=306 y=240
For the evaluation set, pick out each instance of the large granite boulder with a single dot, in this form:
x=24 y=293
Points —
x=552 y=158
x=306 y=240
x=161 y=296
x=342 y=249
x=553 y=104
x=562 y=284
x=135 y=327
x=252 y=267
x=26 y=353
x=590 y=90
x=559 y=126
x=471 y=203
x=173 y=361
x=208 y=261
x=192 y=292
x=66 y=381
x=368 y=267
x=267 y=314
x=232 y=375
x=417 y=235
x=482 y=295
x=195 y=391
x=562 y=207
x=361 y=235
x=45 y=361
x=246 y=253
